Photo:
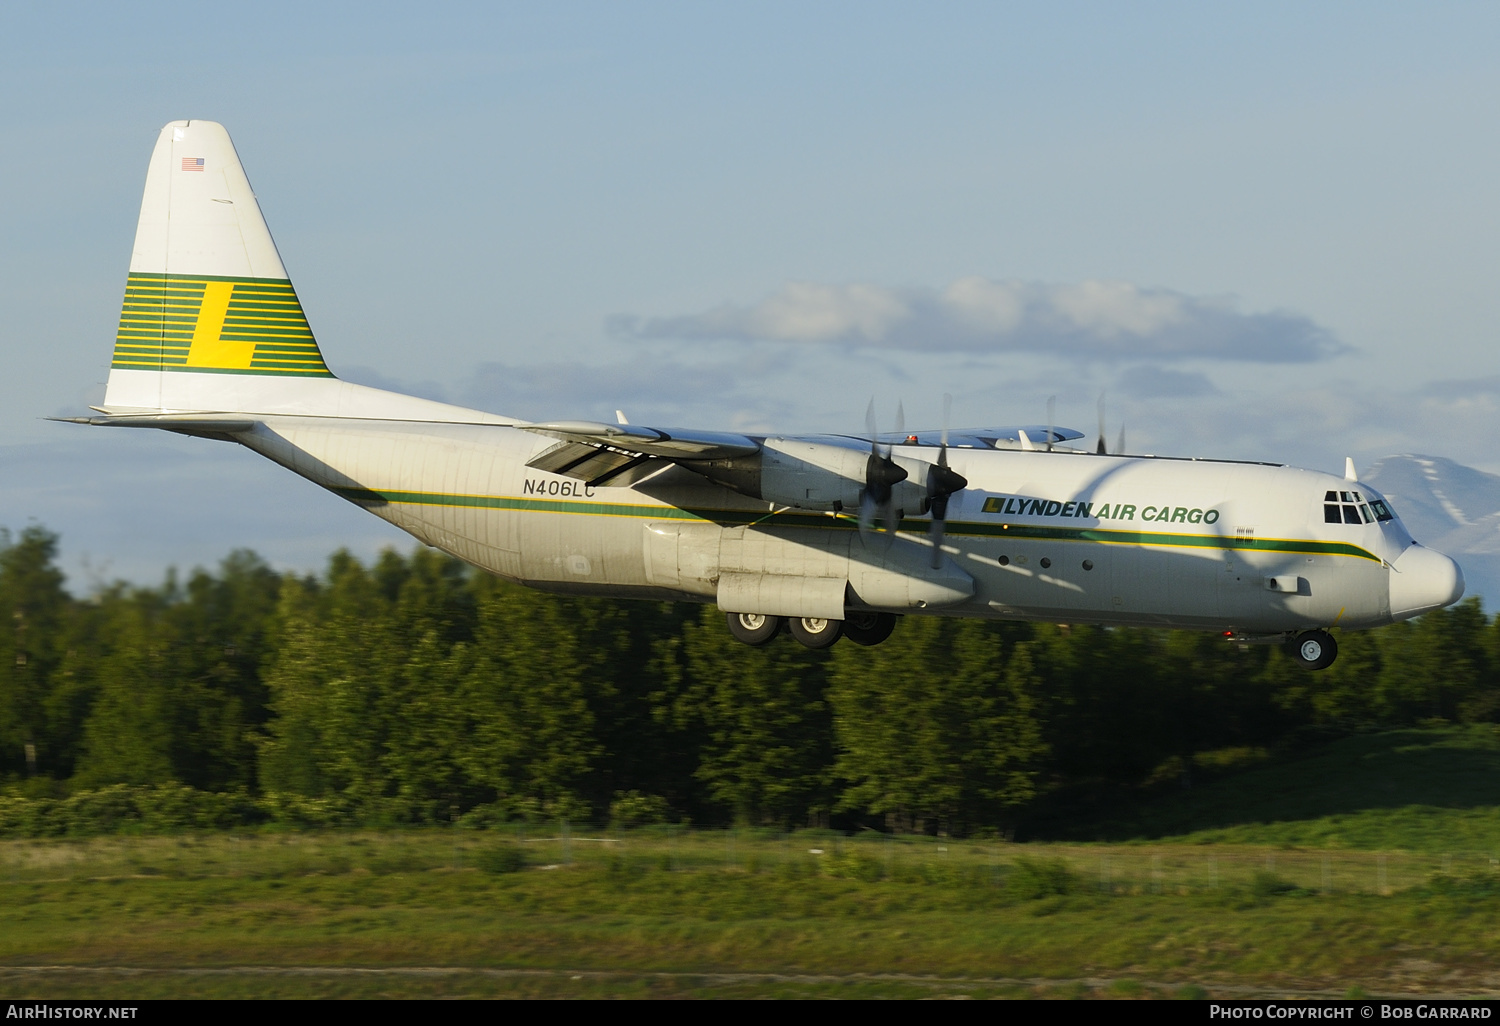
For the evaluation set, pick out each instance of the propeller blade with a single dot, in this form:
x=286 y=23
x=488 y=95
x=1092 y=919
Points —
x=1102 y=450
x=868 y=507
x=882 y=474
x=1120 y=443
x=942 y=483
x=900 y=425
x=947 y=414
x=867 y=511
x=936 y=528
x=1051 y=418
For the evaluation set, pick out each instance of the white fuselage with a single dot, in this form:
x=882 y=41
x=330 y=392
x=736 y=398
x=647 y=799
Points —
x=1055 y=536
x=213 y=341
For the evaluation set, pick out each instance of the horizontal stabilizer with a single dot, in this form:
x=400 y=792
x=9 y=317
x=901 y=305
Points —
x=168 y=421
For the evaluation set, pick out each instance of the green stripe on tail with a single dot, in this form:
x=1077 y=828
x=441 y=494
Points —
x=215 y=324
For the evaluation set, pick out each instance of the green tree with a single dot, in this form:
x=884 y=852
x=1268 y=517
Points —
x=762 y=727
x=363 y=691
x=936 y=728
x=35 y=610
x=1434 y=666
x=131 y=731
x=531 y=695
x=166 y=682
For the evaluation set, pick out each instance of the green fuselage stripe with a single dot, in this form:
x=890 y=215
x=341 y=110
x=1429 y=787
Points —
x=736 y=517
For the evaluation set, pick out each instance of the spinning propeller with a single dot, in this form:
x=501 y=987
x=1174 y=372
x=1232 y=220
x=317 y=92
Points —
x=941 y=483
x=1119 y=443
x=882 y=475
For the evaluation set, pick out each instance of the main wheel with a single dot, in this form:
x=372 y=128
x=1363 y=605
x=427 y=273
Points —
x=869 y=628
x=1313 y=650
x=815 y=633
x=753 y=628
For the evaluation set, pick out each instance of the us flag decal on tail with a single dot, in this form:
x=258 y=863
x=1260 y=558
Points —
x=192 y=163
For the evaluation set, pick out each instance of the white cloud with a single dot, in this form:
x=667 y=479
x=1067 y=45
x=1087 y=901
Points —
x=1147 y=382
x=1478 y=390
x=1110 y=320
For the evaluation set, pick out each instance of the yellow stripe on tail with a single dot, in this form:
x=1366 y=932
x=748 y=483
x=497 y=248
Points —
x=216 y=324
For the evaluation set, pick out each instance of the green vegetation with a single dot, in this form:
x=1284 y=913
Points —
x=1434 y=789
x=744 y=912
x=416 y=691
x=409 y=779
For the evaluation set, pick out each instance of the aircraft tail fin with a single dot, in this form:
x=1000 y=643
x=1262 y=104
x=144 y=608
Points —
x=207 y=297
x=211 y=326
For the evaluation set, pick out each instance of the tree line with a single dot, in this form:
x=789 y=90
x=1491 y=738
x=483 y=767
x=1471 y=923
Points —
x=417 y=690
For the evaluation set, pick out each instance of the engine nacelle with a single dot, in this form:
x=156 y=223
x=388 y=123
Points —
x=815 y=475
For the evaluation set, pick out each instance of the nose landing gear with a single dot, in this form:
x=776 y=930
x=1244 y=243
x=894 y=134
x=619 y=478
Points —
x=1313 y=650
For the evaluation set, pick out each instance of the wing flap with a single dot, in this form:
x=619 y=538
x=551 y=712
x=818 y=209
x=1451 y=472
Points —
x=593 y=464
x=671 y=444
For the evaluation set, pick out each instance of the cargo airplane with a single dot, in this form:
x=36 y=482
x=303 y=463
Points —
x=819 y=536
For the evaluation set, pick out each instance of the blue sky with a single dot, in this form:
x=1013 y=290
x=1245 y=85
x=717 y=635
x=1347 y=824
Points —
x=1268 y=230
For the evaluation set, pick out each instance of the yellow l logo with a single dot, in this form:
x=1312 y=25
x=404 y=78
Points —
x=208 y=350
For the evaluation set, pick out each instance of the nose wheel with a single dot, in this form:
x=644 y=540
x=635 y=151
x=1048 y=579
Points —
x=1313 y=650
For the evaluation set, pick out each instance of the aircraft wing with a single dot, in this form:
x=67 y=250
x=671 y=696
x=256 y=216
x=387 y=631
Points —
x=987 y=437
x=599 y=453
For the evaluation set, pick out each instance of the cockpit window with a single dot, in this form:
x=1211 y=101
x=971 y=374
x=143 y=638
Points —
x=1345 y=508
x=1351 y=508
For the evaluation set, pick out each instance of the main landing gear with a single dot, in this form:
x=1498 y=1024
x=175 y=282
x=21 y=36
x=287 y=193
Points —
x=869 y=628
x=861 y=628
x=1313 y=650
x=754 y=629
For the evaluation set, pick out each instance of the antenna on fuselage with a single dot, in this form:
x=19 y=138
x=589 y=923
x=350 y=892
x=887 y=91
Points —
x=1349 y=472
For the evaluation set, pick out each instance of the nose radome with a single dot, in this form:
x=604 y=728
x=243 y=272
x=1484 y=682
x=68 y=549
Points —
x=1422 y=580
